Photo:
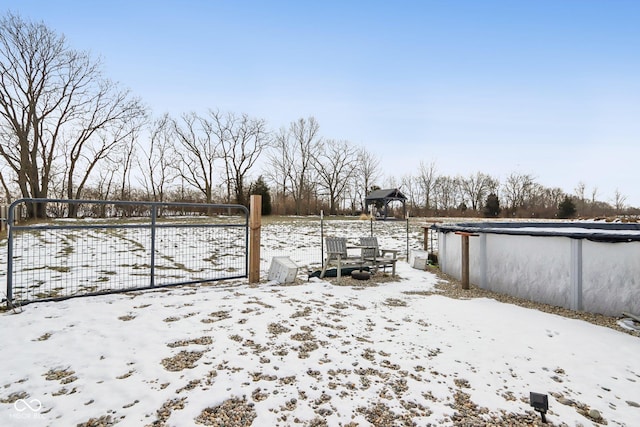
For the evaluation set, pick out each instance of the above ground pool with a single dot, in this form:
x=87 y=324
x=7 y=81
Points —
x=582 y=265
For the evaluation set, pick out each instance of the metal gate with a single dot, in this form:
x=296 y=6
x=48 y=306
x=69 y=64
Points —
x=115 y=246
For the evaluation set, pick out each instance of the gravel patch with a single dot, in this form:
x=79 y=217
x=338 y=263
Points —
x=232 y=412
x=183 y=360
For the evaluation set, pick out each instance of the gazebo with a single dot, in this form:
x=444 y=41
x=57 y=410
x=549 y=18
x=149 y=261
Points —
x=381 y=199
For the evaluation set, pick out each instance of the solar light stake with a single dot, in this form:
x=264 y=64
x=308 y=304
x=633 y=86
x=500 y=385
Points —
x=540 y=403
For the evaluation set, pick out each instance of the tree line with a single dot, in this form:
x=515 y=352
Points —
x=67 y=131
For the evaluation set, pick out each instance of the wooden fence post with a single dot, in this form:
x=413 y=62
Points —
x=465 y=258
x=425 y=240
x=255 y=222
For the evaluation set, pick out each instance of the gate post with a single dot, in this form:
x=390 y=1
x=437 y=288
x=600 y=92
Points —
x=255 y=222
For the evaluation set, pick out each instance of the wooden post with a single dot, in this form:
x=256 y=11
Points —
x=425 y=243
x=255 y=222
x=465 y=258
x=465 y=261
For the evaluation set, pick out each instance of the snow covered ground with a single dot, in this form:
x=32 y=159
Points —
x=313 y=353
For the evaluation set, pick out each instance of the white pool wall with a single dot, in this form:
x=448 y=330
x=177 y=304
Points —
x=611 y=277
x=574 y=273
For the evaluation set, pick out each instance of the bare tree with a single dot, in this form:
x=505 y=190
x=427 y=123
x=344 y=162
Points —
x=159 y=165
x=105 y=183
x=106 y=179
x=303 y=144
x=619 y=200
x=5 y=186
x=125 y=160
x=580 y=190
x=412 y=190
x=353 y=194
x=517 y=189
x=86 y=151
x=594 y=193
x=554 y=197
x=335 y=168
x=477 y=187
x=427 y=179
x=50 y=93
x=543 y=201
x=198 y=153
x=446 y=193
x=390 y=181
x=367 y=172
x=242 y=140
x=280 y=161
x=580 y=199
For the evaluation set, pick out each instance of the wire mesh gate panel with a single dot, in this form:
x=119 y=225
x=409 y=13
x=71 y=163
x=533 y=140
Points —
x=115 y=246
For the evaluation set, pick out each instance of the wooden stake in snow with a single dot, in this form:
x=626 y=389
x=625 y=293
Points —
x=255 y=222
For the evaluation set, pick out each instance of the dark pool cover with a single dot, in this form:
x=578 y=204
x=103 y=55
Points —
x=595 y=231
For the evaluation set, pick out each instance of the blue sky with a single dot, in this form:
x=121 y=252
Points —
x=547 y=88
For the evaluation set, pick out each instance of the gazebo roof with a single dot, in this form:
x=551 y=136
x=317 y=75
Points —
x=388 y=194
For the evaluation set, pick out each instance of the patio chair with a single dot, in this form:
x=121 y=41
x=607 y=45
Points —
x=376 y=257
x=336 y=254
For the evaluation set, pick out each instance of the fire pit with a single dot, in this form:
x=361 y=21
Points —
x=360 y=275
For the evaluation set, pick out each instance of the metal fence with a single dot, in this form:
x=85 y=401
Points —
x=114 y=246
